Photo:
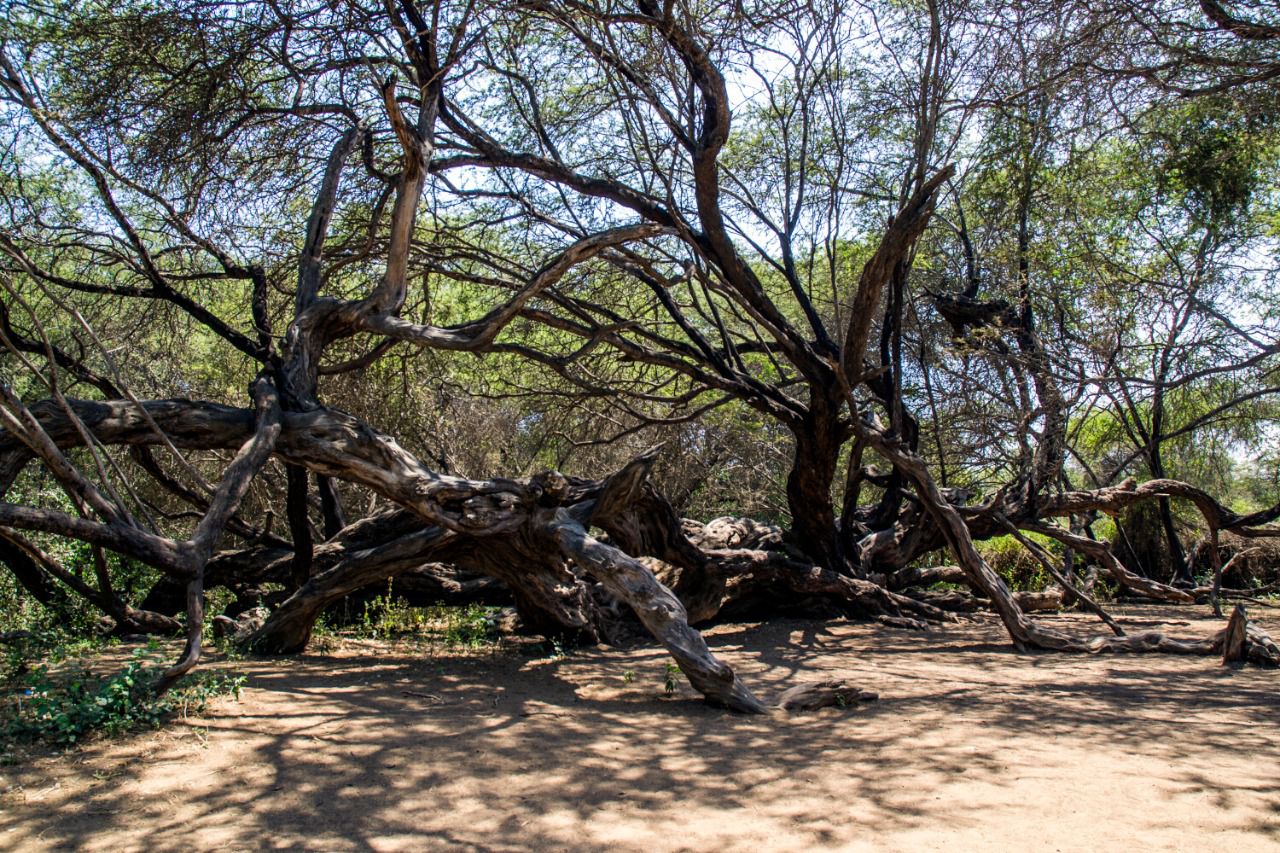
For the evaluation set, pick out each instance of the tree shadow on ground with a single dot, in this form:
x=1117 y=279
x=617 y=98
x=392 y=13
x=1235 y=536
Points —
x=400 y=752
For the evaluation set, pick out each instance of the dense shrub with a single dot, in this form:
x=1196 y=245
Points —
x=60 y=702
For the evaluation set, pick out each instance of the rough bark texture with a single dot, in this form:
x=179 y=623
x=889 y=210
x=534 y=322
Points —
x=823 y=694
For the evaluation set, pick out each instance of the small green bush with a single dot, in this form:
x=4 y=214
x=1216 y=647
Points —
x=471 y=626
x=669 y=679
x=48 y=645
x=388 y=615
x=64 y=706
x=1013 y=562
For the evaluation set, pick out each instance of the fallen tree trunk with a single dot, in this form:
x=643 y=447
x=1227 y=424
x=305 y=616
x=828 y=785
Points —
x=533 y=536
x=659 y=610
x=1025 y=633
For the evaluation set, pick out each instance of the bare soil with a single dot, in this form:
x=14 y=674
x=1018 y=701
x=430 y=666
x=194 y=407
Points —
x=971 y=746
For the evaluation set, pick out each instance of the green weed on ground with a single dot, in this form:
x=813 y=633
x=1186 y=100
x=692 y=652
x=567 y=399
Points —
x=52 y=697
x=390 y=617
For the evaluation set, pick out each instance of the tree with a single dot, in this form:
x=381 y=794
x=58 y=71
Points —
x=1185 y=354
x=672 y=208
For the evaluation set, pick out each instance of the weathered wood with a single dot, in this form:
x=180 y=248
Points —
x=1030 y=602
x=235 y=483
x=823 y=694
x=1077 y=595
x=333 y=443
x=926 y=576
x=980 y=576
x=1235 y=638
x=1262 y=650
x=659 y=610
x=1244 y=641
x=1127 y=580
x=780 y=577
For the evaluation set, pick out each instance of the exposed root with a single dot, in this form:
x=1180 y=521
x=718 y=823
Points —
x=1240 y=641
x=823 y=694
x=903 y=622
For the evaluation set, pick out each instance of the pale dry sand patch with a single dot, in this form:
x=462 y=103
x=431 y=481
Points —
x=971 y=746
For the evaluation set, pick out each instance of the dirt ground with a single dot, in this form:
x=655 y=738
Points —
x=971 y=746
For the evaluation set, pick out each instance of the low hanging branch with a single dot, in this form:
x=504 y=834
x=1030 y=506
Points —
x=1047 y=562
x=1025 y=632
x=226 y=499
x=1101 y=552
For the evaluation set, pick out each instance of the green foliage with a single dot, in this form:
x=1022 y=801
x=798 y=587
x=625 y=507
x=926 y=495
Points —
x=1019 y=568
x=669 y=679
x=388 y=616
x=556 y=649
x=324 y=637
x=1213 y=153
x=1259 y=481
x=45 y=646
x=62 y=705
x=469 y=627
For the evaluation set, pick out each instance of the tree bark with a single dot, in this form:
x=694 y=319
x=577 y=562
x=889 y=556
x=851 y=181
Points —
x=817 y=450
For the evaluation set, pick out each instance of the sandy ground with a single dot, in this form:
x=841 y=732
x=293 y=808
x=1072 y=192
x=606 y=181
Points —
x=971 y=747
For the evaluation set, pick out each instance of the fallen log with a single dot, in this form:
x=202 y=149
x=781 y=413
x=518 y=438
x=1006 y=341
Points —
x=823 y=694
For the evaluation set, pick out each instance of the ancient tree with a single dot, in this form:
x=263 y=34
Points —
x=672 y=209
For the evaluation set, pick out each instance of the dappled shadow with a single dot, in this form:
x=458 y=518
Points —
x=392 y=751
